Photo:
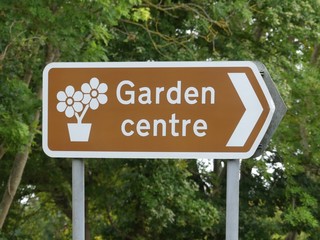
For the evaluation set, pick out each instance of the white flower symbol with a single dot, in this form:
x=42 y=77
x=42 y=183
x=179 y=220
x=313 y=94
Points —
x=94 y=93
x=77 y=103
x=69 y=101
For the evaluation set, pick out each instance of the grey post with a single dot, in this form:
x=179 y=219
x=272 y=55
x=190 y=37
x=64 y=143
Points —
x=232 y=219
x=78 y=207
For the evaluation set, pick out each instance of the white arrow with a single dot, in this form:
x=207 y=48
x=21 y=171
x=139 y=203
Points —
x=252 y=113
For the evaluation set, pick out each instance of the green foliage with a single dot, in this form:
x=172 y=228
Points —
x=151 y=199
x=141 y=13
x=37 y=218
x=16 y=106
x=164 y=199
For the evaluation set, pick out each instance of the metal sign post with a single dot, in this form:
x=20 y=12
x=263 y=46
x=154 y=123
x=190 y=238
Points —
x=232 y=219
x=78 y=207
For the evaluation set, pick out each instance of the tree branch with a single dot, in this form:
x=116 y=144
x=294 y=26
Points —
x=4 y=53
x=170 y=40
x=28 y=76
x=3 y=150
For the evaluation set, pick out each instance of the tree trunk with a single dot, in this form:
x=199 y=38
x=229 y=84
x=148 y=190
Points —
x=16 y=172
x=292 y=236
x=2 y=150
x=22 y=157
x=13 y=183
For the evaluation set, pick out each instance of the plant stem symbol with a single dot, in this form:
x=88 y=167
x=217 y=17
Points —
x=77 y=103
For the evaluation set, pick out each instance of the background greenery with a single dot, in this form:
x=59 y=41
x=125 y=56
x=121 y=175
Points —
x=160 y=199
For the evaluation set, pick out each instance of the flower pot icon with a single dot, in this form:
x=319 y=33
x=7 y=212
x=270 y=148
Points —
x=76 y=103
x=79 y=132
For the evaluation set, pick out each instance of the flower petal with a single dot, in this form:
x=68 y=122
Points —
x=85 y=88
x=61 y=106
x=69 y=112
x=86 y=98
x=78 y=96
x=102 y=98
x=61 y=96
x=69 y=91
x=94 y=83
x=94 y=104
x=77 y=106
x=102 y=88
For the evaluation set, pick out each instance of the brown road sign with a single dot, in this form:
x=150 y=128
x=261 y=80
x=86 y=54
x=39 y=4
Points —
x=154 y=110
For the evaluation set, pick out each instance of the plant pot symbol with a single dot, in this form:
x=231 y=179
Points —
x=79 y=132
x=76 y=104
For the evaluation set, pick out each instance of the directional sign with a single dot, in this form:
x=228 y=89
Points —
x=279 y=112
x=155 y=110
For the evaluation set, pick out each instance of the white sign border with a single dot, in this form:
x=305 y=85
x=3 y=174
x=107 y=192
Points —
x=129 y=154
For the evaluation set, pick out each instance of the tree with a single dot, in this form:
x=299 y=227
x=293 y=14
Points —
x=35 y=35
x=161 y=198
x=157 y=199
x=284 y=36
